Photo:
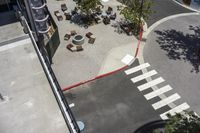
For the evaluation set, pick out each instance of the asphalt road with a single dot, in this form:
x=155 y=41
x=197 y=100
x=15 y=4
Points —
x=164 y=8
x=113 y=104
x=172 y=48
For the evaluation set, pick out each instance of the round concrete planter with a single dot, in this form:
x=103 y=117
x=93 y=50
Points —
x=78 y=39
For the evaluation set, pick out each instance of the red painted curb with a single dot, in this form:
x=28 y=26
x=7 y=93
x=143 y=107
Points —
x=97 y=77
x=138 y=45
x=109 y=73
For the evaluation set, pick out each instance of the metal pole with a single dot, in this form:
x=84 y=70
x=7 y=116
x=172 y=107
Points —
x=62 y=102
x=31 y=18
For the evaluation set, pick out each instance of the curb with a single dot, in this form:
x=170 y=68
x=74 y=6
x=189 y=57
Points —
x=187 y=7
x=97 y=77
x=109 y=73
x=168 y=18
x=150 y=29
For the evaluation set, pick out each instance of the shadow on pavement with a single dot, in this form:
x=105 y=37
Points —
x=180 y=46
x=7 y=18
x=151 y=127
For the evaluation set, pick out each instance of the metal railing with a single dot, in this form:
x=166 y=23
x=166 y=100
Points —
x=61 y=100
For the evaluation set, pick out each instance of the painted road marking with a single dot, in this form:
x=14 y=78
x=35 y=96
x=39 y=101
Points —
x=150 y=84
x=15 y=44
x=166 y=101
x=71 y=105
x=137 y=68
x=158 y=92
x=175 y=110
x=143 y=76
x=128 y=59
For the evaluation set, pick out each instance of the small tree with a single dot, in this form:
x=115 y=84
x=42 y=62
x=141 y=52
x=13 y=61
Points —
x=189 y=123
x=187 y=2
x=135 y=10
x=87 y=6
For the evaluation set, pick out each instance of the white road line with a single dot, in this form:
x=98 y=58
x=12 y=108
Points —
x=15 y=44
x=71 y=105
x=152 y=27
x=128 y=59
x=166 y=101
x=137 y=68
x=158 y=92
x=150 y=84
x=186 y=6
x=175 y=110
x=143 y=76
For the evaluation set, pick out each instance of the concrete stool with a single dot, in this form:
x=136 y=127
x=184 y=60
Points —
x=73 y=32
x=67 y=36
x=92 y=39
x=88 y=35
x=79 y=48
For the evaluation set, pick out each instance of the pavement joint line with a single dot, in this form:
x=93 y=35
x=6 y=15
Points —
x=150 y=84
x=166 y=101
x=137 y=68
x=178 y=109
x=16 y=39
x=158 y=92
x=15 y=44
x=144 y=76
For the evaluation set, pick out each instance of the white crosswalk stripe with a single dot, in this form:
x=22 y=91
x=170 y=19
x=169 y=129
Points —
x=158 y=92
x=144 y=76
x=177 y=109
x=137 y=68
x=150 y=84
x=166 y=101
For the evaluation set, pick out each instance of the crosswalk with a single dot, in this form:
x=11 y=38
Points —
x=144 y=76
x=166 y=101
x=156 y=93
x=150 y=84
x=137 y=68
x=177 y=109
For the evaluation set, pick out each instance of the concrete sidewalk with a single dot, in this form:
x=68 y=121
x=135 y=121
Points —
x=110 y=47
x=29 y=106
x=101 y=57
x=11 y=33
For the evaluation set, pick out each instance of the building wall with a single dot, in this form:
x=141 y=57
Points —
x=3 y=2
